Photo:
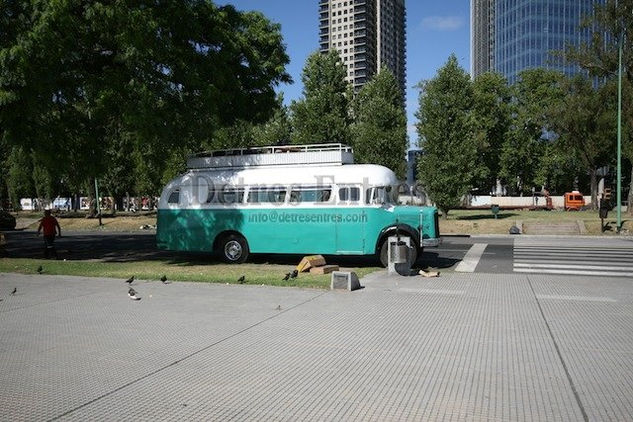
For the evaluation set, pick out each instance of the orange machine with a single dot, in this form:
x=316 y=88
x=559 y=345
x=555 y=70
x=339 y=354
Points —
x=574 y=201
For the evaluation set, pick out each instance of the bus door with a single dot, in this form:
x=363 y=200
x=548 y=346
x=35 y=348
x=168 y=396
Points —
x=350 y=221
x=309 y=212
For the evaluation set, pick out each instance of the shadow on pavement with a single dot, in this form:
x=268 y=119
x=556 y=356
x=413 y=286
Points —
x=132 y=247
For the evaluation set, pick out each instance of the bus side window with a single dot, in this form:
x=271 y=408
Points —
x=349 y=194
x=276 y=196
x=370 y=196
x=231 y=196
x=259 y=195
x=174 y=197
x=312 y=194
x=210 y=194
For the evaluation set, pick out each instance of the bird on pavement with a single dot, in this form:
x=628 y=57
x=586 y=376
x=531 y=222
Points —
x=163 y=279
x=278 y=307
x=287 y=276
x=130 y=280
x=241 y=279
x=40 y=270
x=294 y=274
x=15 y=290
x=132 y=294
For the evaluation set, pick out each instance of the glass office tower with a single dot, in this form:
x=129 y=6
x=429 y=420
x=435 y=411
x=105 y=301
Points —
x=523 y=33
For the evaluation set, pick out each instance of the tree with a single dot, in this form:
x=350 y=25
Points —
x=612 y=24
x=534 y=94
x=585 y=121
x=277 y=130
x=19 y=180
x=322 y=115
x=446 y=129
x=492 y=115
x=379 y=131
x=75 y=75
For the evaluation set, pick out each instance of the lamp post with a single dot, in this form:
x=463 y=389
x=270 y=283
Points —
x=619 y=172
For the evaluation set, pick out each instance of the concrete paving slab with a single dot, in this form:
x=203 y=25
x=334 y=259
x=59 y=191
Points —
x=458 y=347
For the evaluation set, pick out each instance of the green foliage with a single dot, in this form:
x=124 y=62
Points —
x=78 y=78
x=586 y=121
x=322 y=116
x=558 y=168
x=19 y=180
x=277 y=130
x=380 y=124
x=446 y=129
x=492 y=116
x=535 y=93
x=613 y=25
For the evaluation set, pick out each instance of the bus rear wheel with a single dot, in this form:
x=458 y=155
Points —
x=384 y=251
x=233 y=249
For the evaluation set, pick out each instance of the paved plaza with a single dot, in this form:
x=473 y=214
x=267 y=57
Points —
x=474 y=347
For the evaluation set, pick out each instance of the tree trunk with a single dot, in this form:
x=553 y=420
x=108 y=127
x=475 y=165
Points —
x=594 y=188
x=118 y=200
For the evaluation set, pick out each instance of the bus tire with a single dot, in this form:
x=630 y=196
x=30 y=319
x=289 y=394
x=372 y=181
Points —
x=233 y=249
x=384 y=251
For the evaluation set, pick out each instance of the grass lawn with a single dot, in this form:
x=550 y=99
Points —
x=483 y=221
x=267 y=274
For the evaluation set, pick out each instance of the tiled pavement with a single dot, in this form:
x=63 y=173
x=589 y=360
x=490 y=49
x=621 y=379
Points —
x=459 y=347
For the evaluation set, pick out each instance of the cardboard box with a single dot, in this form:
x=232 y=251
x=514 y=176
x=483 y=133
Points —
x=310 y=262
x=325 y=269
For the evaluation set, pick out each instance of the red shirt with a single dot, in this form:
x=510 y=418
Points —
x=48 y=225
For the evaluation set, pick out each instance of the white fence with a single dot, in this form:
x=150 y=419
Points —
x=520 y=201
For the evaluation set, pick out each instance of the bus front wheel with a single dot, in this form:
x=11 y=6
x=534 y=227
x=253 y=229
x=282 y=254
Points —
x=234 y=249
x=384 y=251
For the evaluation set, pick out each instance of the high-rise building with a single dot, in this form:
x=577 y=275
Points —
x=368 y=34
x=482 y=14
x=509 y=36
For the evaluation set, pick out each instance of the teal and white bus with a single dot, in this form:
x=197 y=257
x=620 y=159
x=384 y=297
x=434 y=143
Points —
x=305 y=199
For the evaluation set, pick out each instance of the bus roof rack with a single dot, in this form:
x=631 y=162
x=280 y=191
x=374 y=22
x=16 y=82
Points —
x=283 y=155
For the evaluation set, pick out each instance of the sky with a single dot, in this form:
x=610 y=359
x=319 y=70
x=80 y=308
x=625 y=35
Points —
x=435 y=30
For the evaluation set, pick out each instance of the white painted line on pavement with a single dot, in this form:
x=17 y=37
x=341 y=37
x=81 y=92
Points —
x=572 y=272
x=579 y=266
x=577 y=298
x=471 y=259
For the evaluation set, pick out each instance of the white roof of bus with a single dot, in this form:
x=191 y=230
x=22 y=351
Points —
x=368 y=174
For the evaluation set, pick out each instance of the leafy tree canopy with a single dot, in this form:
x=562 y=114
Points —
x=322 y=115
x=380 y=124
x=446 y=129
x=77 y=76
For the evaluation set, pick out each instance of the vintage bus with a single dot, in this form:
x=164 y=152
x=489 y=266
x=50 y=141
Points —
x=308 y=199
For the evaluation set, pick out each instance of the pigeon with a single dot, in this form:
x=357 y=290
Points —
x=241 y=279
x=132 y=294
x=40 y=270
x=15 y=290
x=294 y=274
x=130 y=280
x=286 y=277
x=163 y=279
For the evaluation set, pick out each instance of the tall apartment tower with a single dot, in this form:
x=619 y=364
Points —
x=368 y=34
x=482 y=42
x=509 y=36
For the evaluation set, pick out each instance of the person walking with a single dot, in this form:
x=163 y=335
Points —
x=50 y=225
